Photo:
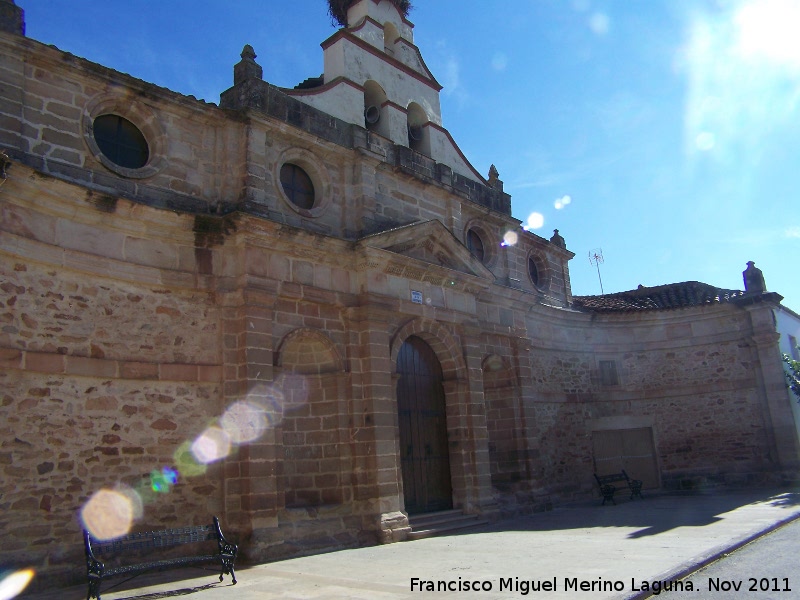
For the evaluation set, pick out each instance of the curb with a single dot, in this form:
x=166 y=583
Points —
x=691 y=567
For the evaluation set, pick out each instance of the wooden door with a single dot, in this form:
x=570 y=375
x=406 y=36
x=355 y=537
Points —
x=424 y=452
x=629 y=449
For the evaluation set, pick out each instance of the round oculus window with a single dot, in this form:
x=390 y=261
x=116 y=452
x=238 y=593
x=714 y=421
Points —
x=533 y=272
x=120 y=141
x=475 y=245
x=297 y=186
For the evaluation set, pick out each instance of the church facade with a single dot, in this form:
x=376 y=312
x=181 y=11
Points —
x=304 y=311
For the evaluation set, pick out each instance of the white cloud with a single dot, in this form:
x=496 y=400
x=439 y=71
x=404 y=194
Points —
x=452 y=78
x=792 y=232
x=450 y=66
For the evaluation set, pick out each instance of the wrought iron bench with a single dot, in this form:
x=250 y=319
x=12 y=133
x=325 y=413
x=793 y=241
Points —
x=608 y=489
x=128 y=555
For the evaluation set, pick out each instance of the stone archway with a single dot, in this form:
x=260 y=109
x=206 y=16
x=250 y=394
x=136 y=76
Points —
x=422 y=423
x=504 y=424
x=309 y=373
x=460 y=442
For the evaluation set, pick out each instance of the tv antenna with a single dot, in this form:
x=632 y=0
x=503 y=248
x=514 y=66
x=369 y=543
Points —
x=596 y=258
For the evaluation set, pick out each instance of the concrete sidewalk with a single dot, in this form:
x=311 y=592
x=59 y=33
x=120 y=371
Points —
x=660 y=538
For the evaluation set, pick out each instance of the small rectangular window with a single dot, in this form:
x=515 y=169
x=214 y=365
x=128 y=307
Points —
x=608 y=372
x=794 y=351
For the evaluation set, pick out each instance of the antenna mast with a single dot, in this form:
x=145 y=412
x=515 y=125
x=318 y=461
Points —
x=596 y=258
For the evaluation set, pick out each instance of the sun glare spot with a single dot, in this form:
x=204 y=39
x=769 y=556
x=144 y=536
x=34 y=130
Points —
x=108 y=514
x=743 y=64
x=244 y=422
x=768 y=29
x=599 y=23
x=535 y=221
x=13 y=584
x=562 y=202
x=510 y=238
x=212 y=445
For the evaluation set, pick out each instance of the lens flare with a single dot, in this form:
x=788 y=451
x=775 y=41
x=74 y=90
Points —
x=163 y=480
x=244 y=422
x=134 y=499
x=493 y=363
x=108 y=514
x=294 y=388
x=535 y=221
x=562 y=202
x=510 y=238
x=600 y=23
x=705 y=141
x=186 y=462
x=12 y=585
x=212 y=445
x=270 y=399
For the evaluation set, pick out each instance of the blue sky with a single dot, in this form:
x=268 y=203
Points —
x=664 y=132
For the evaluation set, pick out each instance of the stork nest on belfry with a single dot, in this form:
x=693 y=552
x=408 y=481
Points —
x=337 y=9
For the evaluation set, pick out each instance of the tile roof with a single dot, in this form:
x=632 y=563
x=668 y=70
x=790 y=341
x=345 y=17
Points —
x=662 y=297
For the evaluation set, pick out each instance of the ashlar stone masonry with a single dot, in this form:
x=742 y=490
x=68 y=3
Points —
x=219 y=329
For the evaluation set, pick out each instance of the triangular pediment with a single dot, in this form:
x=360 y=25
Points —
x=432 y=243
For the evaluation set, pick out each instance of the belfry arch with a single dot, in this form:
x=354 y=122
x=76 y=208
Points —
x=374 y=108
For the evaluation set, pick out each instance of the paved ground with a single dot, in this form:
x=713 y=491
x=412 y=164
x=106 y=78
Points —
x=626 y=547
x=757 y=571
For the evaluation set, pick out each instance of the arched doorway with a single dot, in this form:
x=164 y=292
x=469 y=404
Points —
x=424 y=452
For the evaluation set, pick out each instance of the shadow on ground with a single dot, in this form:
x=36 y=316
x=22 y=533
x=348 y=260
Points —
x=171 y=593
x=130 y=589
x=652 y=515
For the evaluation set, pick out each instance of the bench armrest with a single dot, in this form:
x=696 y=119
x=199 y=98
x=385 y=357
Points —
x=94 y=566
x=225 y=547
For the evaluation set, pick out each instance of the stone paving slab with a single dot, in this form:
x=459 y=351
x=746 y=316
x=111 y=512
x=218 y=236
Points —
x=622 y=546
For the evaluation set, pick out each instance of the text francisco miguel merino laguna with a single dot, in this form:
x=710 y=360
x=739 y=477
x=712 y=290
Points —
x=525 y=586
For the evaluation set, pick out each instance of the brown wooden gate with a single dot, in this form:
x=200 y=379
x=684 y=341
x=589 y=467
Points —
x=424 y=454
x=629 y=449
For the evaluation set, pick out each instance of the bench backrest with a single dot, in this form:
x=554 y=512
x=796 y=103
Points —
x=152 y=539
x=612 y=478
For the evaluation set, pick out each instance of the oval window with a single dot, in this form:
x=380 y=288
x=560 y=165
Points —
x=297 y=186
x=120 y=141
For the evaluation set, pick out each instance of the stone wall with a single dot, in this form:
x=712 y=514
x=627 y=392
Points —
x=67 y=437
x=110 y=368
x=190 y=304
x=56 y=96
x=691 y=375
